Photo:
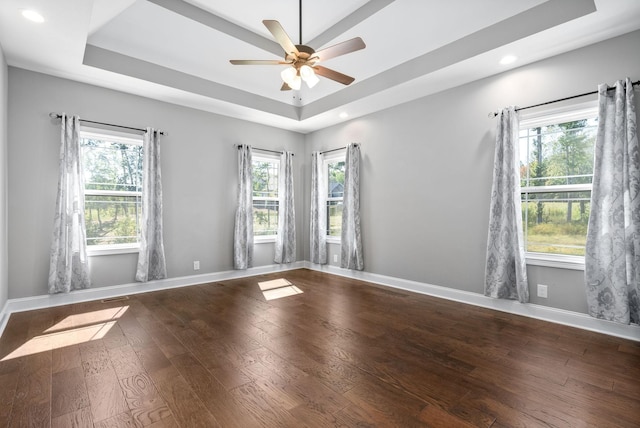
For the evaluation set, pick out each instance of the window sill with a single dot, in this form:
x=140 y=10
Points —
x=333 y=240
x=264 y=239
x=555 y=261
x=113 y=249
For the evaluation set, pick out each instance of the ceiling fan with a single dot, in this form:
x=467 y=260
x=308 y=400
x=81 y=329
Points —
x=303 y=60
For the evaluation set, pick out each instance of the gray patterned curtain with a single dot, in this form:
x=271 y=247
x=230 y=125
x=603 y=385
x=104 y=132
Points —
x=318 y=227
x=68 y=267
x=506 y=269
x=612 y=260
x=286 y=237
x=151 y=261
x=351 y=243
x=243 y=230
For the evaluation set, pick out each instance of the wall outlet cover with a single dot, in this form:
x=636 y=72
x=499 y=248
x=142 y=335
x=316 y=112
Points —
x=542 y=291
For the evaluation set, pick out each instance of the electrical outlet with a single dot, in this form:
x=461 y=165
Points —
x=542 y=291
x=196 y=265
x=335 y=258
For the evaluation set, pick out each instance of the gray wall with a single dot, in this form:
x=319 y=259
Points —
x=199 y=178
x=4 y=274
x=427 y=165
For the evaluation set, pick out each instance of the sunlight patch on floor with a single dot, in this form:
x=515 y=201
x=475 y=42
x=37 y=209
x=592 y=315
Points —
x=274 y=283
x=72 y=330
x=88 y=318
x=278 y=288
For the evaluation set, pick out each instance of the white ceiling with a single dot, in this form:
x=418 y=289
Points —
x=179 y=51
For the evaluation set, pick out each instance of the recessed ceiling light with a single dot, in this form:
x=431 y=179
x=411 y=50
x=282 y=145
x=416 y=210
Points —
x=32 y=15
x=508 y=59
x=344 y=115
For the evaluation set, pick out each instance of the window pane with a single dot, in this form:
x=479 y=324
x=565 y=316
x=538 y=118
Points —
x=112 y=166
x=558 y=154
x=555 y=155
x=334 y=218
x=112 y=219
x=265 y=179
x=265 y=188
x=556 y=222
x=109 y=165
x=265 y=217
x=336 y=179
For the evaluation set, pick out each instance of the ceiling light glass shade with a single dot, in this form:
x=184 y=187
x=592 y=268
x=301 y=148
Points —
x=312 y=80
x=288 y=74
x=309 y=76
x=306 y=71
x=295 y=83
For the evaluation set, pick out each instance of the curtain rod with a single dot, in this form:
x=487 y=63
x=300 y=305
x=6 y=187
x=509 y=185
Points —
x=264 y=150
x=335 y=150
x=494 y=114
x=59 y=116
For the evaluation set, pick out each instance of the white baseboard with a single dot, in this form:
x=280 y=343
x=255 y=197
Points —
x=77 y=296
x=558 y=316
x=4 y=317
x=545 y=313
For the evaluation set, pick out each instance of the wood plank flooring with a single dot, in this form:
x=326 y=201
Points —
x=342 y=354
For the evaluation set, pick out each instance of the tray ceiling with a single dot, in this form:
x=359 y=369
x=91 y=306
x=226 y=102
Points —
x=179 y=51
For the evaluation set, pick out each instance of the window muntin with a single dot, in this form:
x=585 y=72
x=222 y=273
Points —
x=556 y=172
x=335 y=168
x=112 y=171
x=265 y=171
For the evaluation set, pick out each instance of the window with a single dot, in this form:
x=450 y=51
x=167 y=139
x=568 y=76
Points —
x=265 y=196
x=335 y=166
x=556 y=174
x=112 y=167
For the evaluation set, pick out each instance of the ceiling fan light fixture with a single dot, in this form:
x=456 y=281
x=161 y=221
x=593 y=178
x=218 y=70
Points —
x=306 y=72
x=288 y=74
x=312 y=81
x=309 y=76
x=295 y=83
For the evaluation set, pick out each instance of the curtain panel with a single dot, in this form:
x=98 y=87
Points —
x=505 y=268
x=68 y=263
x=351 y=242
x=151 y=259
x=612 y=259
x=285 y=251
x=243 y=229
x=318 y=226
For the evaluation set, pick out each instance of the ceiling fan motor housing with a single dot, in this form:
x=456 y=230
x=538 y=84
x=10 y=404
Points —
x=305 y=53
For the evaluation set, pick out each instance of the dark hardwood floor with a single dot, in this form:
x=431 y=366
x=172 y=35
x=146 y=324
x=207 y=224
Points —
x=342 y=354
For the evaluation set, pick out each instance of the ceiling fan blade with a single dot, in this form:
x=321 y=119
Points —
x=285 y=87
x=280 y=35
x=340 y=49
x=257 y=62
x=333 y=75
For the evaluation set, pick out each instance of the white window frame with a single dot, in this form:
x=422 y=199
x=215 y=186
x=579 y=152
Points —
x=271 y=158
x=542 y=117
x=125 y=138
x=337 y=156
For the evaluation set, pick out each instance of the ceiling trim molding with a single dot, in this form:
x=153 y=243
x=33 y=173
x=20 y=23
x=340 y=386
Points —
x=369 y=9
x=524 y=24
x=194 y=13
x=122 y=64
